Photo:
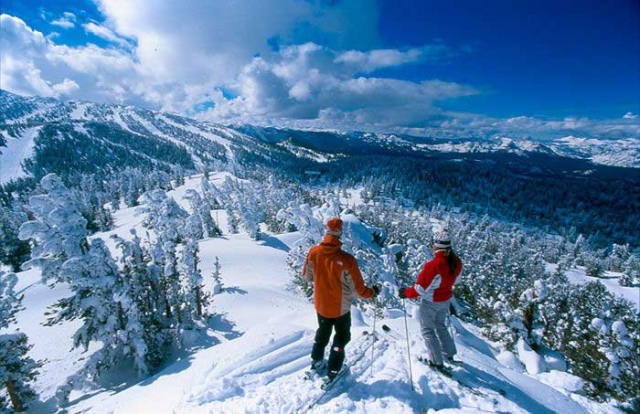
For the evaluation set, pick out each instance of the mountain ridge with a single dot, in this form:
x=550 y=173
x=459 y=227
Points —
x=209 y=143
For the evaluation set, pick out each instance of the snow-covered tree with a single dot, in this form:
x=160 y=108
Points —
x=217 y=276
x=58 y=232
x=529 y=313
x=278 y=194
x=101 y=300
x=17 y=369
x=170 y=281
x=163 y=215
x=144 y=317
x=203 y=210
x=195 y=299
x=311 y=229
x=330 y=208
x=100 y=294
x=617 y=345
x=211 y=194
x=13 y=251
x=244 y=206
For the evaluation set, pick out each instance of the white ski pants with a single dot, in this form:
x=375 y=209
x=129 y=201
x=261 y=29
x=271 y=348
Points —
x=433 y=318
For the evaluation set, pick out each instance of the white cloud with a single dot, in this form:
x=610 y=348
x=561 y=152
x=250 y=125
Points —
x=104 y=33
x=303 y=81
x=16 y=33
x=66 y=87
x=630 y=115
x=18 y=71
x=202 y=41
x=31 y=64
x=277 y=62
x=381 y=58
x=183 y=54
x=67 y=21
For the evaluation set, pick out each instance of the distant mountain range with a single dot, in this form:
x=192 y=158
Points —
x=34 y=129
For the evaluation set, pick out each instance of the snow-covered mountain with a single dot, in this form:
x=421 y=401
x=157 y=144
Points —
x=518 y=210
x=126 y=135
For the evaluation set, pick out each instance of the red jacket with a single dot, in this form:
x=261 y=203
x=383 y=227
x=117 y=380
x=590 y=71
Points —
x=435 y=281
x=336 y=277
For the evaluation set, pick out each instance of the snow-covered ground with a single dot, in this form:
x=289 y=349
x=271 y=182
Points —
x=610 y=280
x=259 y=345
x=16 y=151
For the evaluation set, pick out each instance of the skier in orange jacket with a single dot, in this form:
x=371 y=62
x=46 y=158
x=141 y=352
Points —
x=336 y=278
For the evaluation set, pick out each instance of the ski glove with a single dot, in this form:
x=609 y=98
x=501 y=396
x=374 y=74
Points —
x=376 y=289
x=401 y=293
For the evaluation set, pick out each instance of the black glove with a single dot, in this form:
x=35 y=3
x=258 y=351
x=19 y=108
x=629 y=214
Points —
x=401 y=293
x=376 y=289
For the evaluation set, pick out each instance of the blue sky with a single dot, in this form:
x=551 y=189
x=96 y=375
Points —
x=491 y=67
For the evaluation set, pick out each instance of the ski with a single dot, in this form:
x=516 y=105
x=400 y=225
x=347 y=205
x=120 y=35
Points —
x=327 y=386
x=388 y=331
x=318 y=372
x=445 y=370
x=448 y=371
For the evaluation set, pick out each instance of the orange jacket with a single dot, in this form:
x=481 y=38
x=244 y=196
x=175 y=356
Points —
x=336 y=277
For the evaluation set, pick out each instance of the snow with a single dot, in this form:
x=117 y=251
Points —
x=153 y=130
x=610 y=280
x=532 y=360
x=562 y=381
x=79 y=111
x=197 y=131
x=576 y=141
x=16 y=151
x=259 y=344
x=510 y=360
x=117 y=118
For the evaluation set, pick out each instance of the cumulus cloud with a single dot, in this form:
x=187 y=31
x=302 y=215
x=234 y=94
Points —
x=104 y=33
x=31 y=64
x=19 y=71
x=381 y=58
x=304 y=81
x=278 y=62
x=529 y=127
x=203 y=41
x=67 y=21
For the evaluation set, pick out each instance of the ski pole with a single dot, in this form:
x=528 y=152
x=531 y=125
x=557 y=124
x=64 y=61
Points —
x=449 y=325
x=406 y=328
x=373 y=337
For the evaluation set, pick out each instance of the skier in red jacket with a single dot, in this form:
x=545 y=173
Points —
x=434 y=286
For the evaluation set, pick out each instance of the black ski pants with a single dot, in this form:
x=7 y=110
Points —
x=342 y=326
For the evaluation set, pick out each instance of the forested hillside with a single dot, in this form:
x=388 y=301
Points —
x=520 y=223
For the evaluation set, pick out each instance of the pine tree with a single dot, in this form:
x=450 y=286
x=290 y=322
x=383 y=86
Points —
x=194 y=296
x=58 y=233
x=217 y=276
x=142 y=285
x=203 y=210
x=100 y=293
x=301 y=217
x=13 y=251
x=17 y=369
x=109 y=315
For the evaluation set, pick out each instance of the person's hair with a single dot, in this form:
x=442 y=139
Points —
x=452 y=260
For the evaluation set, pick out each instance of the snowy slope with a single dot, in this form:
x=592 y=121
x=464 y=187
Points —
x=259 y=345
x=16 y=151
